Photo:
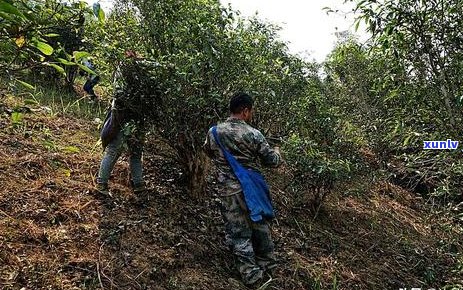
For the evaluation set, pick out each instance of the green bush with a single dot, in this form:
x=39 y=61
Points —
x=42 y=37
x=195 y=58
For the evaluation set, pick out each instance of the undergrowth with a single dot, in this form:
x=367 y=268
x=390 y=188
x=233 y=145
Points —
x=57 y=100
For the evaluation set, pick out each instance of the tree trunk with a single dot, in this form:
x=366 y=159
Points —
x=198 y=165
x=448 y=105
x=195 y=163
x=448 y=102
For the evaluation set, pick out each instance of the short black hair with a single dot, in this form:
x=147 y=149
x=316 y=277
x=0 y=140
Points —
x=239 y=102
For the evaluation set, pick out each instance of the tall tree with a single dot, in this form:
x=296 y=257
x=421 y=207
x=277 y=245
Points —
x=428 y=37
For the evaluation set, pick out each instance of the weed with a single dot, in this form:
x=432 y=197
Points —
x=16 y=119
x=61 y=101
x=335 y=283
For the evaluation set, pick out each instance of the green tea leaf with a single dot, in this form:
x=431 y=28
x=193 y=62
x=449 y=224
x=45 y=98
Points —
x=44 y=47
x=66 y=62
x=57 y=67
x=86 y=69
x=101 y=15
x=80 y=54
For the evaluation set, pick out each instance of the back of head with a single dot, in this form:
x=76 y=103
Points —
x=239 y=102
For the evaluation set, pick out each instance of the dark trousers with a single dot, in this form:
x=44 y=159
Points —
x=90 y=84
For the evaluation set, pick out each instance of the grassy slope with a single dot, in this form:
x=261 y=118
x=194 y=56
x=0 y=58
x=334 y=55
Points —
x=56 y=234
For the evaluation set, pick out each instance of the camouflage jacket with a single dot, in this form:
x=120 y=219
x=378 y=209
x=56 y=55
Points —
x=246 y=143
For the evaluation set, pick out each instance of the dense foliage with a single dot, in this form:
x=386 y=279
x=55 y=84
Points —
x=353 y=125
x=384 y=97
x=404 y=88
x=43 y=36
x=195 y=58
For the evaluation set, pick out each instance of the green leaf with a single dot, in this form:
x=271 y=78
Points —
x=6 y=16
x=389 y=30
x=66 y=62
x=57 y=67
x=26 y=85
x=357 y=23
x=16 y=118
x=44 y=47
x=86 y=69
x=80 y=54
x=51 y=35
x=31 y=102
x=328 y=10
x=101 y=15
x=360 y=4
x=407 y=140
x=10 y=9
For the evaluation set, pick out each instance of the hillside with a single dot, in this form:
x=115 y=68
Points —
x=55 y=233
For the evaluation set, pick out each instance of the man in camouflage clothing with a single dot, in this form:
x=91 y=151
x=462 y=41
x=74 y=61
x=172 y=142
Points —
x=251 y=242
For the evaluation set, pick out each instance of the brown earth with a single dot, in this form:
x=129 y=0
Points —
x=55 y=233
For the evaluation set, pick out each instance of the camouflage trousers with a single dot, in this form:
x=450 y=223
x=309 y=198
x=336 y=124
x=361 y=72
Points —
x=250 y=242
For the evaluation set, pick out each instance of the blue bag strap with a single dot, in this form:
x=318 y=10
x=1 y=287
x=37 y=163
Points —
x=238 y=169
x=216 y=137
x=244 y=177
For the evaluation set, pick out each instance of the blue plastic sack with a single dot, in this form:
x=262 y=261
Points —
x=255 y=189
